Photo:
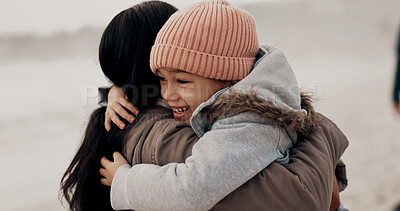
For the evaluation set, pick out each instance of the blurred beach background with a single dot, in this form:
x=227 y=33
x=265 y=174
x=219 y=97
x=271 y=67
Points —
x=343 y=50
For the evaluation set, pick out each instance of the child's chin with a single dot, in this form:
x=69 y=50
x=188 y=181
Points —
x=185 y=119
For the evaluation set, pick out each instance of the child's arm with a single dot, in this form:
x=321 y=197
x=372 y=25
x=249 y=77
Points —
x=219 y=164
x=304 y=183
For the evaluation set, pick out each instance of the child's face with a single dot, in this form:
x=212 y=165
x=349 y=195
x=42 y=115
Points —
x=184 y=92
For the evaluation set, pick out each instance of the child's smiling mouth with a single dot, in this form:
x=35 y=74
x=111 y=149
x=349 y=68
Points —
x=180 y=112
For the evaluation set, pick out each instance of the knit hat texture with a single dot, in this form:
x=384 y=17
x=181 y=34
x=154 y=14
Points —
x=212 y=39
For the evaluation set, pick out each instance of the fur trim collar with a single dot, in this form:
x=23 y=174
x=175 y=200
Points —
x=235 y=103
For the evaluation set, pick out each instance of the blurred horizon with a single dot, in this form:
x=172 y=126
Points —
x=48 y=17
x=84 y=37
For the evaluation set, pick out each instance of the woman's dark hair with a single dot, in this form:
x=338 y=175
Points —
x=124 y=58
x=125 y=47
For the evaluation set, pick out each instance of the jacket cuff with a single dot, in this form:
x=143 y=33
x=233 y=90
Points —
x=118 y=193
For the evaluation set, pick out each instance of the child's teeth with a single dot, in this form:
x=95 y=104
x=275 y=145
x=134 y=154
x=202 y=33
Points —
x=180 y=110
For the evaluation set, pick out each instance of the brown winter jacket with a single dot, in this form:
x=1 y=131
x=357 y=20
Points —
x=304 y=184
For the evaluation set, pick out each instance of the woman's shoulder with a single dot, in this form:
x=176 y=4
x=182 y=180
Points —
x=140 y=129
x=161 y=138
x=169 y=141
x=153 y=114
x=160 y=121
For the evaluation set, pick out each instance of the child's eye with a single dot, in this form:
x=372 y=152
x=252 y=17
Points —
x=162 y=79
x=182 y=81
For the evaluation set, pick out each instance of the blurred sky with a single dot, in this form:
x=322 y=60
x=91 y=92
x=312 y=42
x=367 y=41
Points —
x=47 y=16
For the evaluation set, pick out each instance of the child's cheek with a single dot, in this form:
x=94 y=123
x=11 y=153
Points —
x=190 y=92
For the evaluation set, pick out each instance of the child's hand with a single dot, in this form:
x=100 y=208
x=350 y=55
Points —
x=117 y=103
x=110 y=168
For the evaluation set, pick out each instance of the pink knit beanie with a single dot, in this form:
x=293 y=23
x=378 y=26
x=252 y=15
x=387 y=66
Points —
x=212 y=39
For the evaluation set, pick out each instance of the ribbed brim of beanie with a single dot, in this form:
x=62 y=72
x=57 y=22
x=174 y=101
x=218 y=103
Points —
x=212 y=39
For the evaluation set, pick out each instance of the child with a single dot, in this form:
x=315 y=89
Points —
x=257 y=121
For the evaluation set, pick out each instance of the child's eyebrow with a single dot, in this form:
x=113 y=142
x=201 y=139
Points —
x=158 y=73
x=171 y=71
x=176 y=71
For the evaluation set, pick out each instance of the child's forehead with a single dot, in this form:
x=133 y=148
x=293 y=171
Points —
x=168 y=70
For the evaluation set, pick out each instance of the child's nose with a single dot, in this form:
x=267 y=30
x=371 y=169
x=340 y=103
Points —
x=170 y=94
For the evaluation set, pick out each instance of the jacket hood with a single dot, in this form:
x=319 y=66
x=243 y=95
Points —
x=271 y=79
x=270 y=91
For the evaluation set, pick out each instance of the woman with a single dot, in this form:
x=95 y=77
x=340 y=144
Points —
x=123 y=52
